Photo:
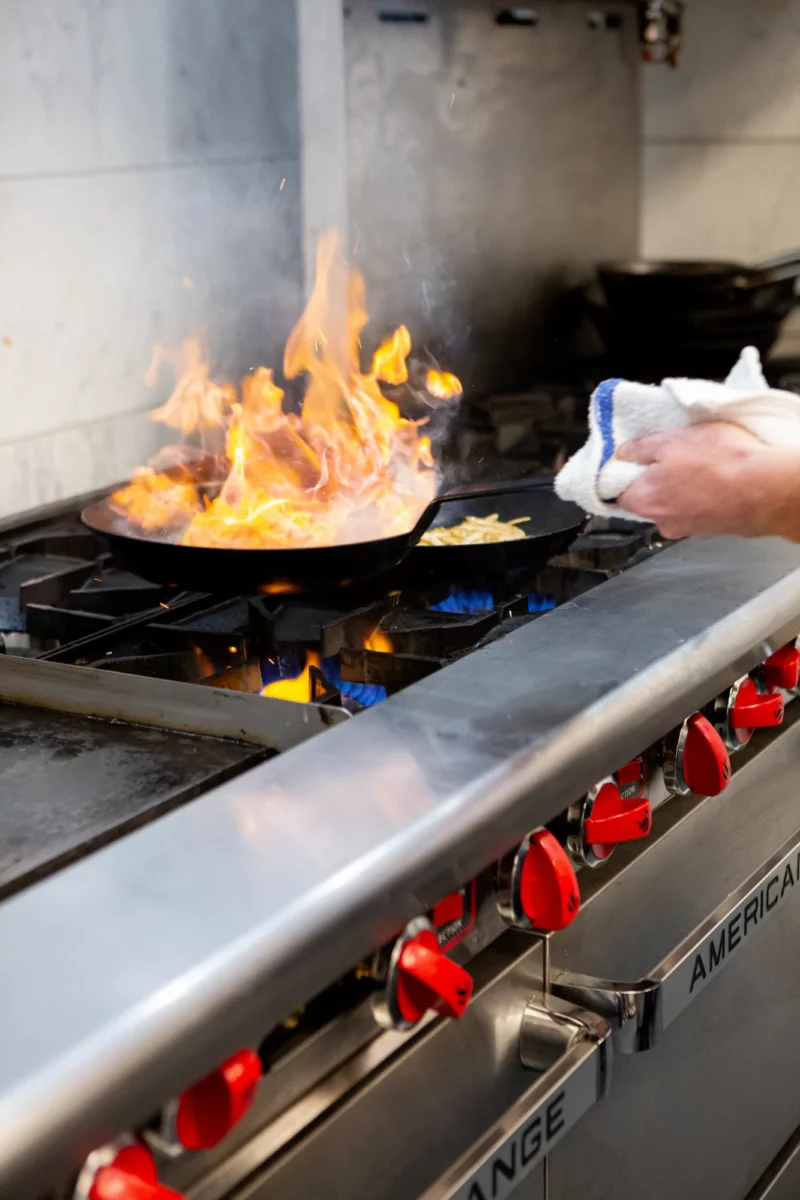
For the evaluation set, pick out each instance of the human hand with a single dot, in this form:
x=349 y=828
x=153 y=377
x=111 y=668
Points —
x=714 y=479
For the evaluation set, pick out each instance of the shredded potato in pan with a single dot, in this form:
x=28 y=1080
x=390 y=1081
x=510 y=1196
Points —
x=476 y=531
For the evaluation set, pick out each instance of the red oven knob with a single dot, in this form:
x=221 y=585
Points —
x=696 y=760
x=208 y=1110
x=782 y=669
x=752 y=709
x=744 y=710
x=603 y=820
x=421 y=979
x=612 y=820
x=537 y=888
x=115 y=1184
x=131 y=1176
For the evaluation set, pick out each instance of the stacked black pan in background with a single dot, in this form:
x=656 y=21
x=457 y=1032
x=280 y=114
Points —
x=691 y=318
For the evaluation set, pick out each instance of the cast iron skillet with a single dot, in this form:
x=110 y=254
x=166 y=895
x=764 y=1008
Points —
x=553 y=525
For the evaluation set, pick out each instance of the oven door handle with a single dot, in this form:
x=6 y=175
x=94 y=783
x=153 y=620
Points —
x=571 y=1051
x=640 y=1012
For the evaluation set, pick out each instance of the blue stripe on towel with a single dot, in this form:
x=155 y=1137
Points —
x=603 y=401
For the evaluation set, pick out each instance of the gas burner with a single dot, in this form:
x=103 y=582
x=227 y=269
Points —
x=63 y=599
x=531 y=432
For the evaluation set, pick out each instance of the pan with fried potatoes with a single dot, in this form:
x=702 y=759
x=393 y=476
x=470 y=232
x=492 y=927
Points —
x=493 y=537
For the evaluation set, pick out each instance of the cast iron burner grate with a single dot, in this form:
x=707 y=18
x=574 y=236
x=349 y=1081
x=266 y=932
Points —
x=63 y=599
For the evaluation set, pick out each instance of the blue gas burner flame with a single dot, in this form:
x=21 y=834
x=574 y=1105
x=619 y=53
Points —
x=541 y=602
x=367 y=695
x=466 y=601
x=289 y=666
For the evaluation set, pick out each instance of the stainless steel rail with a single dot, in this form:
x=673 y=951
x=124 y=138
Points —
x=164 y=703
x=136 y=970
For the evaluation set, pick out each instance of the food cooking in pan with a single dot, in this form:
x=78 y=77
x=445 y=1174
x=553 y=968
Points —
x=476 y=531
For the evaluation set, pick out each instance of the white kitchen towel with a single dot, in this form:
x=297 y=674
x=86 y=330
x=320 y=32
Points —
x=620 y=411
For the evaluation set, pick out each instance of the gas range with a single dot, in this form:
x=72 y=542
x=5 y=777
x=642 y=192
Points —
x=289 y=838
x=63 y=601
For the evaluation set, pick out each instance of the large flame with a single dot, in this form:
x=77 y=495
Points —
x=249 y=474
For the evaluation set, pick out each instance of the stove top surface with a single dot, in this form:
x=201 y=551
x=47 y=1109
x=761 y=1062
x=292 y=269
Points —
x=145 y=697
x=63 y=599
x=71 y=783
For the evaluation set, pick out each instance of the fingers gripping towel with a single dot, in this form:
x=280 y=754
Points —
x=620 y=411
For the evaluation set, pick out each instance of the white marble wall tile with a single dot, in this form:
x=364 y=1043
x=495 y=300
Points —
x=92 y=84
x=739 y=201
x=142 y=148
x=40 y=470
x=95 y=269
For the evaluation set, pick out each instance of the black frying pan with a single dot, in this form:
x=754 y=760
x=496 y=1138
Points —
x=669 y=284
x=553 y=525
x=545 y=536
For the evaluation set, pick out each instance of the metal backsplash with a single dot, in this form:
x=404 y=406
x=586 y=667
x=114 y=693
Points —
x=493 y=157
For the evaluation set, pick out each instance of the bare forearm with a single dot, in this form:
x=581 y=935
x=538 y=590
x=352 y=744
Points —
x=776 y=493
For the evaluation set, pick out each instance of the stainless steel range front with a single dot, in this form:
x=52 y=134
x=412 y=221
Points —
x=432 y=893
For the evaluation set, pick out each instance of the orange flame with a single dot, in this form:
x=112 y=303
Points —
x=389 y=360
x=280 y=587
x=298 y=688
x=379 y=641
x=204 y=665
x=443 y=385
x=196 y=402
x=155 y=502
x=348 y=468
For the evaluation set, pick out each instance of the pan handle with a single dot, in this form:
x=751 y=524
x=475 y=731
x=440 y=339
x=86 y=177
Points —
x=772 y=270
x=473 y=491
x=788 y=259
x=477 y=491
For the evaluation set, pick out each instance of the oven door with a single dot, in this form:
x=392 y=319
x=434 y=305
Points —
x=705 y=1110
x=700 y=1111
